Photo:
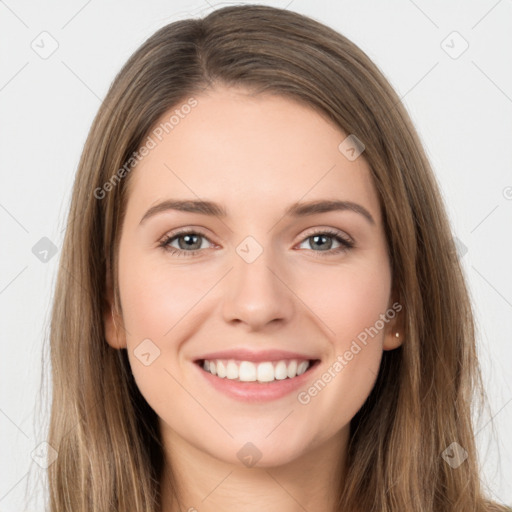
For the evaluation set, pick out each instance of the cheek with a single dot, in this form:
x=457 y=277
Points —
x=162 y=307
x=155 y=297
x=349 y=299
x=155 y=308
x=352 y=306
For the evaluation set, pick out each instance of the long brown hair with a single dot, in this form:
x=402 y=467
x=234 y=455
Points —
x=106 y=435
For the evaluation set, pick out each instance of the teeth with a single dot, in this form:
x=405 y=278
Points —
x=280 y=371
x=247 y=371
x=232 y=370
x=221 y=369
x=265 y=372
x=302 y=367
x=292 y=369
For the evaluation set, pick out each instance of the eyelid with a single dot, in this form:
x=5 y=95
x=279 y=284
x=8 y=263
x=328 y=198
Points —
x=327 y=230
x=183 y=231
x=346 y=241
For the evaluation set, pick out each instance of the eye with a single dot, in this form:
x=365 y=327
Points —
x=323 y=241
x=188 y=243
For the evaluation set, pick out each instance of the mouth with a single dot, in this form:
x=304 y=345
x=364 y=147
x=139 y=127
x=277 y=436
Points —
x=256 y=377
x=262 y=372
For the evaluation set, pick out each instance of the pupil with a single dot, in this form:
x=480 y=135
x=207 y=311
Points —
x=323 y=247
x=189 y=241
x=321 y=241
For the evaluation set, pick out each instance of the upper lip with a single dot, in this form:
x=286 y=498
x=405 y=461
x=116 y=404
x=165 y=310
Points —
x=248 y=355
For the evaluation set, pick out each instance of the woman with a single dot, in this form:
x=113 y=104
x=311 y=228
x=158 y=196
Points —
x=259 y=304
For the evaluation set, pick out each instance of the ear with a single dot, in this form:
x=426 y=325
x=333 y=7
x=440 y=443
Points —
x=393 y=327
x=113 y=321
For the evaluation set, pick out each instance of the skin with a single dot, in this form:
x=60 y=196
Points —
x=254 y=155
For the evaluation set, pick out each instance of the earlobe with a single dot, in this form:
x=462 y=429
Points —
x=394 y=335
x=393 y=339
x=113 y=323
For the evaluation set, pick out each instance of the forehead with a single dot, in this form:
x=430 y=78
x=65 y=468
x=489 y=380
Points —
x=249 y=152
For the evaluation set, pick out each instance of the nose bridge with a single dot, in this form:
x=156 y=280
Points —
x=254 y=293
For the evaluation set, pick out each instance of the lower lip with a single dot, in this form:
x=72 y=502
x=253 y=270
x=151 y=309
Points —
x=258 y=391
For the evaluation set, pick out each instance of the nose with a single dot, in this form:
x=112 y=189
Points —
x=256 y=294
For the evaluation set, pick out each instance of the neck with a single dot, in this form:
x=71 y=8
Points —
x=207 y=484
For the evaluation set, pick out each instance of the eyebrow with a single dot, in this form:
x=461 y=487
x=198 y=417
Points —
x=299 y=209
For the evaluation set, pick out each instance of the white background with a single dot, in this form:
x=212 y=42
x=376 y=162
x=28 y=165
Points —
x=461 y=106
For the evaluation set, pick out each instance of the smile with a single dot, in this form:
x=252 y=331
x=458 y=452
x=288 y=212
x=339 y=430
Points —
x=248 y=371
x=257 y=381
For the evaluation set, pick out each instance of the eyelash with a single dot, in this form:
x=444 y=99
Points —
x=346 y=244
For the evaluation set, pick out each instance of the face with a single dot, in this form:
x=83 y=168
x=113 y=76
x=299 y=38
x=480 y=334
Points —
x=288 y=303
